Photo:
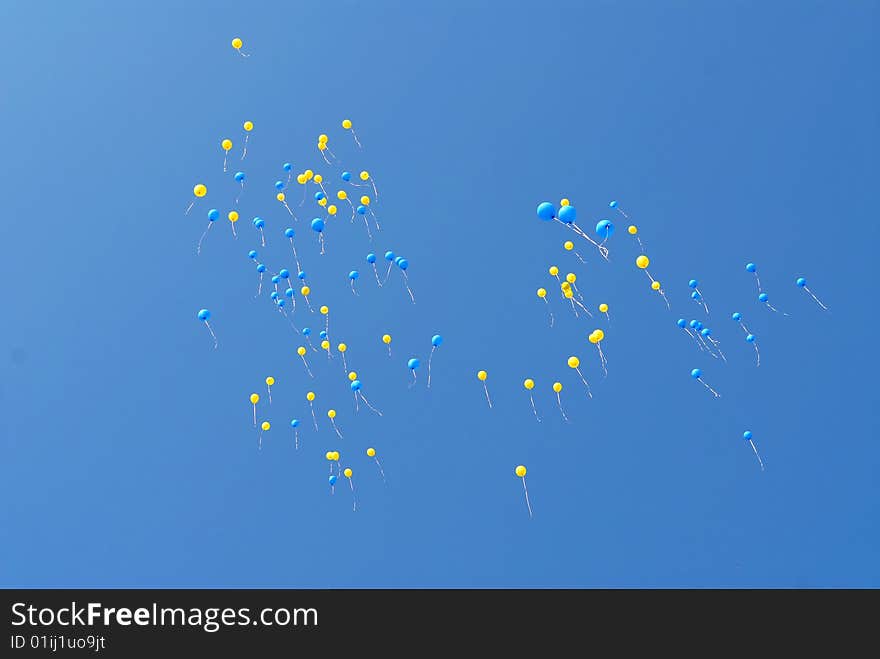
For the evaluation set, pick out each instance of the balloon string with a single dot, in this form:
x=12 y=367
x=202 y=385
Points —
x=260 y=286
x=602 y=358
x=528 y=504
x=758 y=354
x=408 y=289
x=309 y=341
x=262 y=237
x=641 y=246
x=376 y=220
x=376 y=272
x=255 y=415
x=534 y=409
x=270 y=395
x=314 y=418
x=213 y=336
x=308 y=370
x=665 y=299
x=224 y=160
x=488 y=400
x=356 y=141
x=352 y=287
x=235 y=235
x=304 y=195
x=260 y=445
x=367 y=224
x=389 y=350
x=622 y=213
x=559 y=402
x=310 y=308
x=571 y=299
x=354 y=497
x=321 y=238
x=413 y=383
x=584 y=380
x=388 y=272
x=295 y=257
x=189 y=208
x=199 y=247
x=238 y=196
x=324 y=156
x=375 y=191
x=296 y=438
x=718 y=348
x=357 y=405
x=244 y=152
x=333 y=423
x=344 y=367
x=587 y=311
x=755 y=449
x=429 y=365
x=758 y=279
x=717 y=395
x=381 y=471
x=815 y=298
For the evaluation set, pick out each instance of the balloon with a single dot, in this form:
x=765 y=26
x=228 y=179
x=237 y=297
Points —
x=542 y=292
x=354 y=274
x=604 y=229
x=331 y=414
x=301 y=351
x=318 y=225
x=573 y=362
x=529 y=384
x=348 y=472
x=325 y=309
x=564 y=202
x=554 y=271
x=567 y=214
x=403 y=264
x=226 y=144
x=801 y=282
x=287 y=167
x=319 y=196
x=371 y=452
x=737 y=316
x=261 y=268
x=693 y=283
x=763 y=297
x=482 y=375
x=233 y=216
x=612 y=204
x=633 y=229
x=389 y=256
x=413 y=363
x=750 y=338
x=332 y=479
x=342 y=347
x=346 y=176
x=557 y=387
x=352 y=376
x=361 y=210
x=655 y=285
x=204 y=314
x=642 y=261
x=258 y=222
x=386 y=339
x=682 y=323
x=696 y=373
x=236 y=43
x=355 y=385
x=521 y=471
x=346 y=124
x=603 y=308
x=436 y=340
x=200 y=190
x=294 y=423
x=599 y=334
x=239 y=177
x=365 y=176
x=371 y=258
x=365 y=200
x=568 y=245
x=265 y=425
x=546 y=211
x=751 y=267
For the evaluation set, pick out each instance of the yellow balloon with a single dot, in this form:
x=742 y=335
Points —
x=322 y=138
x=482 y=375
x=557 y=387
x=341 y=195
x=265 y=425
x=329 y=455
x=655 y=285
x=599 y=334
x=564 y=202
x=270 y=380
x=570 y=278
x=565 y=286
x=301 y=351
x=255 y=398
x=642 y=261
x=305 y=290
x=281 y=196
x=529 y=384
x=325 y=310
x=322 y=202
x=568 y=245
x=603 y=308
x=301 y=179
x=322 y=146
x=348 y=473
x=331 y=414
x=593 y=338
x=310 y=396
x=633 y=229
x=521 y=471
x=365 y=200
x=371 y=452
x=346 y=123
x=553 y=271
x=568 y=293
x=233 y=216
x=331 y=209
x=248 y=126
x=342 y=347
x=309 y=174
x=365 y=175
x=236 y=43
x=542 y=292
x=573 y=362
x=336 y=455
x=352 y=376
x=386 y=339
x=200 y=190
x=318 y=178
x=325 y=345
x=226 y=144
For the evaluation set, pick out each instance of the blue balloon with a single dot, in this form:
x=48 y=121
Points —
x=612 y=204
x=682 y=323
x=567 y=214
x=801 y=282
x=294 y=423
x=436 y=340
x=275 y=279
x=332 y=479
x=413 y=364
x=289 y=233
x=763 y=297
x=695 y=295
x=252 y=254
x=696 y=374
x=750 y=338
x=346 y=176
x=693 y=283
x=280 y=302
x=319 y=196
x=322 y=334
x=737 y=316
x=306 y=331
x=287 y=167
x=693 y=324
x=751 y=267
x=279 y=185
x=289 y=292
x=604 y=229
x=354 y=274
x=371 y=258
x=301 y=274
x=204 y=314
x=546 y=211
x=699 y=325
x=403 y=264
x=355 y=385
x=706 y=332
x=318 y=225
x=213 y=214
x=284 y=273
x=747 y=435
x=397 y=260
x=361 y=210
x=389 y=256
x=273 y=295
x=258 y=222
x=261 y=268
x=239 y=176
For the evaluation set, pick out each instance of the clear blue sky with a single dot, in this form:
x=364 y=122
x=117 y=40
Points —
x=730 y=132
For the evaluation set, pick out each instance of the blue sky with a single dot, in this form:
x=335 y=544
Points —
x=729 y=132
